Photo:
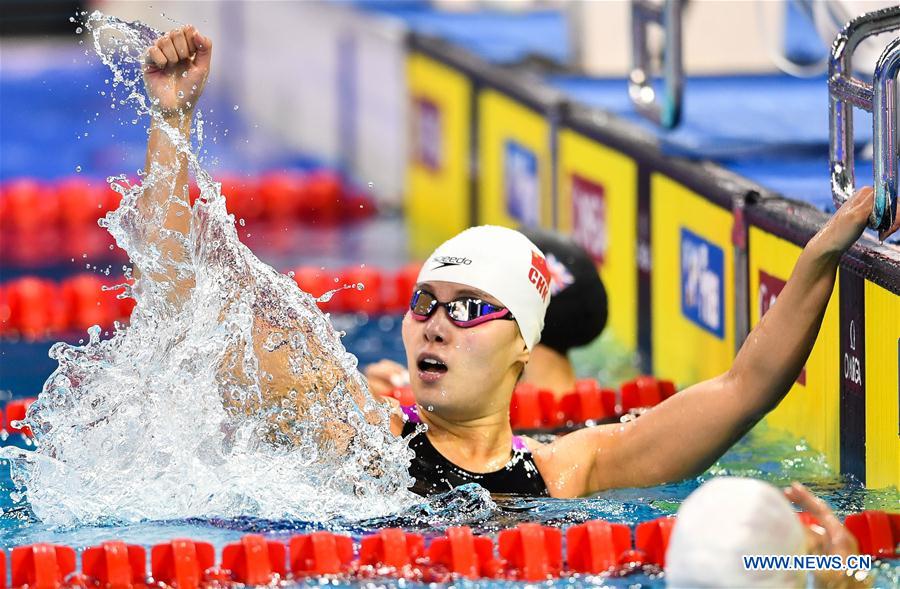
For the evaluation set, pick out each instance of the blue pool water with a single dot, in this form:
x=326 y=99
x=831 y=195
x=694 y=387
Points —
x=754 y=456
x=108 y=149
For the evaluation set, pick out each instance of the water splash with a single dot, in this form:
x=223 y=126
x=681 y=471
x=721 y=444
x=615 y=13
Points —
x=184 y=412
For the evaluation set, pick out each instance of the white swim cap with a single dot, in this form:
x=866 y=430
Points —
x=722 y=521
x=504 y=264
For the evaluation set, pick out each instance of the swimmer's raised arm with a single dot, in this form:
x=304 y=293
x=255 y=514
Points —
x=687 y=433
x=177 y=66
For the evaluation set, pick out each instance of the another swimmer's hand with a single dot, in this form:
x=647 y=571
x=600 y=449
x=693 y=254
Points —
x=829 y=537
x=385 y=376
x=848 y=223
x=177 y=66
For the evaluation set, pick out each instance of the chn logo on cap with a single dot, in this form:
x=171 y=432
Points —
x=539 y=275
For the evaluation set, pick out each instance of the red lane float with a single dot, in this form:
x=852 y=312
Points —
x=391 y=549
x=28 y=205
x=41 y=566
x=642 y=391
x=588 y=402
x=81 y=201
x=404 y=395
x=115 y=564
x=242 y=196
x=528 y=552
x=182 y=563
x=321 y=196
x=525 y=408
x=652 y=539
x=383 y=291
x=87 y=303
x=254 y=561
x=532 y=408
x=320 y=553
x=15 y=412
x=281 y=194
x=398 y=288
x=464 y=554
x=369 y=298
x=596 y=546
x=531 y=552
x=36 y=308
x=877 y=532
x=315 y=281
x=321 y=199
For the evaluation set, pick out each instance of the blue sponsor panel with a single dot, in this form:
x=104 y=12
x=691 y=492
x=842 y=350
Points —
x=703 y=283
x=522 y=183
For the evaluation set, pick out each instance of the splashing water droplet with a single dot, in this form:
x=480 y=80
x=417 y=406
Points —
x=78 y=169
x=110 y=422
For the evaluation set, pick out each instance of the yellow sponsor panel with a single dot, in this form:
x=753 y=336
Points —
x=438 y=193
x=597 y=204
x=692 y=284
x=882 y=387
x=514 y=163
x=811 y=410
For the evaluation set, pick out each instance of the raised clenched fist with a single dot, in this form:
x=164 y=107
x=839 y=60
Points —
x=176 y=69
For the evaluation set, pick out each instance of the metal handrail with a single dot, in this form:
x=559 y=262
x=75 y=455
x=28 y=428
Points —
x=845 y=92
x=885 y=136
x=667 y=110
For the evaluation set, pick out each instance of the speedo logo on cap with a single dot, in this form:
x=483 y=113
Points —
x=444 y=261
x=539 y=275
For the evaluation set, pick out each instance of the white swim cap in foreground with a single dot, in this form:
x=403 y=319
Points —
x=504 y=264
x=726 y=518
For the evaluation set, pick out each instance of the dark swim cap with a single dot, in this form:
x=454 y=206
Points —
x=578 y=306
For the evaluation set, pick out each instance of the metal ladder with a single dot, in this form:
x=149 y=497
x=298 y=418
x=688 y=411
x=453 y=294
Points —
x=663 y=110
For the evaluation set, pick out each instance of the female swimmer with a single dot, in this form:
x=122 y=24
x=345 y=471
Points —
x=476 y=315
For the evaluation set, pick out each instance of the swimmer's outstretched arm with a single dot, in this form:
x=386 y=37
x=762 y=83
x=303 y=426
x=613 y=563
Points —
x=177 y=66
x=687 y=433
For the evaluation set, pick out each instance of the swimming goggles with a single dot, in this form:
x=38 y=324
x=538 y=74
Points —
x=463 y=312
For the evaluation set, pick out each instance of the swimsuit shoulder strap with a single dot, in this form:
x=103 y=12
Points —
x=519 y=444
x=411 y=413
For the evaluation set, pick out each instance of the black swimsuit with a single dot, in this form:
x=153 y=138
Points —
x=435 y=474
